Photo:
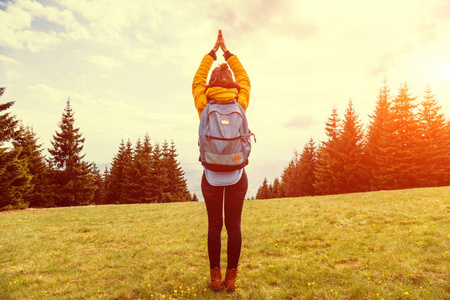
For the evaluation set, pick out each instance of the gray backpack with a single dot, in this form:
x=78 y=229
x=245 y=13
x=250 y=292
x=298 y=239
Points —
x=224 y=136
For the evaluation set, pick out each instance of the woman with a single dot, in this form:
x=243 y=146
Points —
x=223 y=187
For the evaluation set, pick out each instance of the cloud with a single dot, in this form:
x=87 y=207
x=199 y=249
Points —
x=442 y=10
x=37 y=41
x=15 y=18
x=10 y=21
x=9 y=67
x=114 y=21
x=300 y=122
x=103 y=62
x=16 y=25
x=261 y=18
x=140 y=55
x=8 y=60
x=382 y=64
x=427 y=31
x=46 y=95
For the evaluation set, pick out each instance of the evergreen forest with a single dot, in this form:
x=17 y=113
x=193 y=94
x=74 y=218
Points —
x=405 y=145
x=140 y=173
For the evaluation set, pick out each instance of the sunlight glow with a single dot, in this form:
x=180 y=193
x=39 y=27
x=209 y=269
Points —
x=445 y=69
x=440 y=70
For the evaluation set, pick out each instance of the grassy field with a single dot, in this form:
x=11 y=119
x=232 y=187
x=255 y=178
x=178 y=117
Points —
x=380 y=245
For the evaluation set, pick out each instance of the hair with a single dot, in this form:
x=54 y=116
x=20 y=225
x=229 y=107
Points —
x=221 y=74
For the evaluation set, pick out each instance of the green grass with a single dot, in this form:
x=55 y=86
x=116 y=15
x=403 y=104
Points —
x=380 y=245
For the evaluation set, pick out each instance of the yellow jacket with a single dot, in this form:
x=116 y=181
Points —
x=202 y=94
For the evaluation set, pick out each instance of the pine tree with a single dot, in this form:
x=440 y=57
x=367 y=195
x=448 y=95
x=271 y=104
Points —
x=8 y=122
x=327 y=158
x=14 y=173
x=263 y=191
x=14 y=180
x=194 y=198
x=160 y=179
x=176 y=190
x=73 y=177
x=299 y=177
x=133 y=172
x=446 y=181
x=270 y=193
x=106 y=179
x=377 y=138
x=398 y=167
x=307 y=166
x=143 y=171
x=290 y=177
x=347 y=170
x=41 y=194
x=99 y=182
x=434 y=154
x=116 y=179
x=277 y=190
x=67 y=144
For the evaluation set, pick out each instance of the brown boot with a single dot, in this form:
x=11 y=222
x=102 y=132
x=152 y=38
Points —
x=216 y=283
x=230 y=280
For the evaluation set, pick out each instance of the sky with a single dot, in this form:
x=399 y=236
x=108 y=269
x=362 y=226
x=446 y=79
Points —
x=127 y=67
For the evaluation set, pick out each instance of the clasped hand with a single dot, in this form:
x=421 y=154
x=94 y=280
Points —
x=220 y=43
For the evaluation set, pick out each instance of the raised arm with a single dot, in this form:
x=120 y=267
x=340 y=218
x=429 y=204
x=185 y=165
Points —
x=199 y=82
x=241 y=77
x=239 y=72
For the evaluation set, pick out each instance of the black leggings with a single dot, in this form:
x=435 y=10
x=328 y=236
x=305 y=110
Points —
x=234 y=201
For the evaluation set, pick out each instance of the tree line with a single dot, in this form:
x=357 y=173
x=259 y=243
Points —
x=144 y=173
x=406 y=145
